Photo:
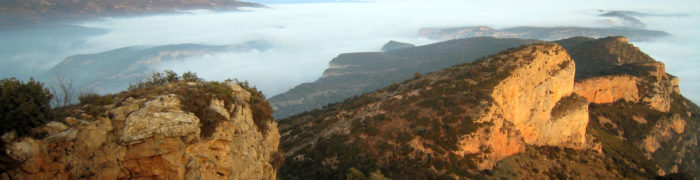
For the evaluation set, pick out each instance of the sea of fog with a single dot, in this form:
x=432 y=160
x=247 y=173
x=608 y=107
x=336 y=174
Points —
x=305 y=37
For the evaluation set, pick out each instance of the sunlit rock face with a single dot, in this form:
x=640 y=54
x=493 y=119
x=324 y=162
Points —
x=533 y=105
x=476 y=113
x=152 y=137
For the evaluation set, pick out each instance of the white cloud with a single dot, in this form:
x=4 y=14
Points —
x=307 y=36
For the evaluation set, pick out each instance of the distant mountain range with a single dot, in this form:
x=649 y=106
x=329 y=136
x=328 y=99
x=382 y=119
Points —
x=112 y=71
x=542 y=33
x=352 y=74
x=32 y=12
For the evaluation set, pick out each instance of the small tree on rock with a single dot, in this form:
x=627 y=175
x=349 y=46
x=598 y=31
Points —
x=23 y=106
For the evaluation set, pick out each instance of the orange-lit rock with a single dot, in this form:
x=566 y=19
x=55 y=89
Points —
x=608 y=89
x=533 y=105
x=150 y=138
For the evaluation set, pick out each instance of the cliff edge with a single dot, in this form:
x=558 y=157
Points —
x=181 y=130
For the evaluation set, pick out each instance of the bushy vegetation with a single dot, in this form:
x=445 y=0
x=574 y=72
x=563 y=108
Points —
x=23 y=106
x=95 y=99
x=197 y=98
x=94 y=103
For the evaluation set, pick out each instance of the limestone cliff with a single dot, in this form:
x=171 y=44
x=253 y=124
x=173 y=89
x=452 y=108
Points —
x=636 y=109
x=542 y=80
x=653 y=87
x=153 y=133
x=608 y=89
x=450 y=123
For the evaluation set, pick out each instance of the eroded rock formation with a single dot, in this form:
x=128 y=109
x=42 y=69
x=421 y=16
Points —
x=151 y=137
x=533 y=104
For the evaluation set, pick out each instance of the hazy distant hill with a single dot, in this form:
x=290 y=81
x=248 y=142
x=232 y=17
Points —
x=352 y=74
x=519 y=114
x=542 y=33
x=395 y=45
x=113 y=71
x=29 y=12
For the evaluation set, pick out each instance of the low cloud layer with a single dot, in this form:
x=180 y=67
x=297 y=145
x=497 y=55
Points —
x=305 y=37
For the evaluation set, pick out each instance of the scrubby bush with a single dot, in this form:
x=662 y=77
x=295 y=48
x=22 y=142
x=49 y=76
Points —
x=190 y=77
x=93 y=103
x=23 y=106
x=95 y=99
x=167 y=76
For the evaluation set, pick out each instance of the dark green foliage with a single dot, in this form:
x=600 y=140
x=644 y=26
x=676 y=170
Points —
x=23 y=106
x=190 y=77
x=171 y=76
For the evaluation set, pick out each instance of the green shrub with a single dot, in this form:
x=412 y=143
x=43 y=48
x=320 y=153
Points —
x=95 y=99
x=93 y=103
x=167 y=76
x=190 y=77
x=23 y=106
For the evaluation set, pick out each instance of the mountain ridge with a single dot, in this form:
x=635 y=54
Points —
x=18 y=13
x=542 y=33
x=486 y=121
x=351 y=74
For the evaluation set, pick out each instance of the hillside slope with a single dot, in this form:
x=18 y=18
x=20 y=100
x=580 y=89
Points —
x=451 y=123
x=517 y=114
x=636 y=106
x=352 y=74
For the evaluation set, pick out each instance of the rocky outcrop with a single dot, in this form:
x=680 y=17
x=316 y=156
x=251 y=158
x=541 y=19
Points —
x=535 y=103
x=154 y=138
x=608 y=89
x=611 y=69
x=452 y=122
x=652 y=86
x=637 y=106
